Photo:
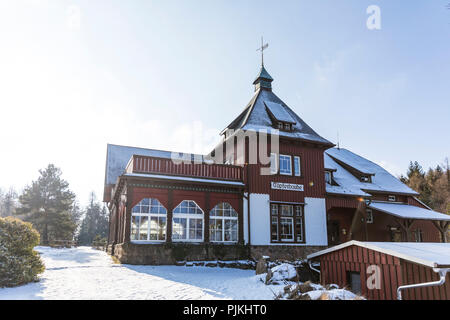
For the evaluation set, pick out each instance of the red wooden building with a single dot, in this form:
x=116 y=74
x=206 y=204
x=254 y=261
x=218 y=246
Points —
x=420 y=270
x=166 y=206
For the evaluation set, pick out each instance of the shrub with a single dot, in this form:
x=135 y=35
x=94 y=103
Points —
x=19 y=263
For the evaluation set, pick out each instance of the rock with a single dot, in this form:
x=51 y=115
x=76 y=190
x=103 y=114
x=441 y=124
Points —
x=211 y=264
x=305 y=287
x=331 y=286
x=261 y=266
x=284 y=272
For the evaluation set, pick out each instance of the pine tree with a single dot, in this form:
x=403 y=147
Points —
x=95 y=222
x=8 y=202
x=48 y=204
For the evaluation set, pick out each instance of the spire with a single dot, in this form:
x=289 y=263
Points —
x=263 y=80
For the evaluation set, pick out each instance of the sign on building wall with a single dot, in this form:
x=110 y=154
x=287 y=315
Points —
x=287 y=186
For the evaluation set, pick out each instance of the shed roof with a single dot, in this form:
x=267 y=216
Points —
x=430 y=254
x=406 y=211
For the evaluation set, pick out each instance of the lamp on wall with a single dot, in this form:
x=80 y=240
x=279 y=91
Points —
x=344 y=231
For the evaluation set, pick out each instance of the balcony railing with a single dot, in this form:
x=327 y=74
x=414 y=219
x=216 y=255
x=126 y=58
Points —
x=164 y=166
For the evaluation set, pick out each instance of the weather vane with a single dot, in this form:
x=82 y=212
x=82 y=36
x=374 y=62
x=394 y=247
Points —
x=263 y=47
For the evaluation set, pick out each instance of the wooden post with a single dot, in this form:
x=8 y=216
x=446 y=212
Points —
x=127 y=224
x=241 y=219
x=442 y=226
x=169 y=215
x=207 y=210
x=406 y=226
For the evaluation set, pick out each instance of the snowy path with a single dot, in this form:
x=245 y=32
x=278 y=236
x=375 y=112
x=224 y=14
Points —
x=85 y=273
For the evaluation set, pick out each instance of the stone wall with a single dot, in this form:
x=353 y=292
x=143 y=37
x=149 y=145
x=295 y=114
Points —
x=170 y=253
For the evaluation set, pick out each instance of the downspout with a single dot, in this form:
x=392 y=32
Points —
x=313 y=268
x=440 y=282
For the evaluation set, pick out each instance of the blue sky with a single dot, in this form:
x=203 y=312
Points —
x=150 y=73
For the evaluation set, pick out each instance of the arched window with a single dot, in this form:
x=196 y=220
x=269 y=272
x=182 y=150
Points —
x=223 y=223
x=148 y=221
x=187 y=222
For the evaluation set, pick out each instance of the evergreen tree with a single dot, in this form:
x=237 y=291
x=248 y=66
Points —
x=8 y=202
x=433 y=187
x=48 y=205
x=95 y=222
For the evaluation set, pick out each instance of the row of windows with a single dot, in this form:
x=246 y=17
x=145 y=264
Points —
x=149 y=222
x=283 y=164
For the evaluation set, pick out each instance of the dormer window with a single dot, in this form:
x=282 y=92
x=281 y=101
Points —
x=365 y=179
x=392 y=198
x=280 y=116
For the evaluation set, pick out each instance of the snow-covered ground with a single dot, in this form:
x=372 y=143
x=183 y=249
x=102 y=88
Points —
x=85 y=273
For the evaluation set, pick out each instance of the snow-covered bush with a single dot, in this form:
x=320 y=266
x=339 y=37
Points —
x=280 y=273
x=19 y=263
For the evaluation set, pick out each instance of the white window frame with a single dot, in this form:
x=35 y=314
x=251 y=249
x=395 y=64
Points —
x=290 y=165
x=292 y=224
x=297 y=160
x=369 y=214
x=223 y=219
x=328 y=177
x=392 y=198
x=188 y=217
x=148 y=215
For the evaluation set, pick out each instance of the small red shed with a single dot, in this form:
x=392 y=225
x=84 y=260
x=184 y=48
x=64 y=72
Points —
x=377 y=270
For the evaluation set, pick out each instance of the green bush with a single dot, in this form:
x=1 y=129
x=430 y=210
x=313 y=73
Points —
x=19 y=263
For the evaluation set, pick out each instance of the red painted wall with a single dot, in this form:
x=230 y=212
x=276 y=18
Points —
x=394 y=273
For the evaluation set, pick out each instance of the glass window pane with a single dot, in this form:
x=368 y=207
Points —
x=274 y=229
x=286 y=210
x=299 y=229
x=285 y=164
x=134 y=228
x=297 y=171
x=143 y=229
x=162 y=228
x=274 y=209
x=287 y=229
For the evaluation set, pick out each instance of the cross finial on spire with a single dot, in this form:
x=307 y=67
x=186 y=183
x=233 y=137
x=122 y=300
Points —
x=263 y=47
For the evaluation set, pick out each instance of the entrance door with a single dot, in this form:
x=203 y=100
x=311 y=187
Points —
x=333 y=233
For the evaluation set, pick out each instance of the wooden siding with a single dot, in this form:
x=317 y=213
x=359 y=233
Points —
x=394 y=273
x=144 y=164
x=342 y=202
x=312 y=174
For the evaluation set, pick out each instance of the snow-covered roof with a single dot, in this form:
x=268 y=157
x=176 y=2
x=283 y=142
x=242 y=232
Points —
x=405 y=211
x=255 y=117
x=188 y=179
x=430 y=254
x=381 y=180
x=117 y=158
x=278 y=112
